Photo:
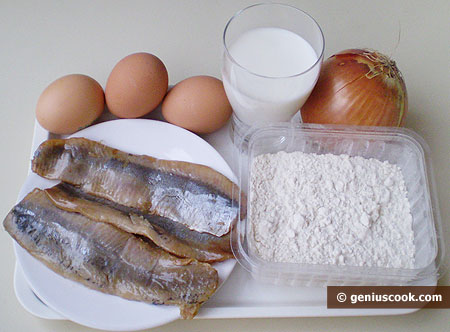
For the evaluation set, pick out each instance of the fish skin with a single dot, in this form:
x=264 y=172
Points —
x=194 y=195
x=107 y=259
x=172 y=236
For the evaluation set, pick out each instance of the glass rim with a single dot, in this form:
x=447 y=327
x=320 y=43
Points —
x=237 y=14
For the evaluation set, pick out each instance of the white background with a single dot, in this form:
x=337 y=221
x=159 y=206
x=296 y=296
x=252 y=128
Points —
x=41 y=41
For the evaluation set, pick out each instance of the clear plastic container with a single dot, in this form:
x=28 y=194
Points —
x=396 y=145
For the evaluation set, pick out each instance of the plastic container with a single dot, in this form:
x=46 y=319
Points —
x=396 y=145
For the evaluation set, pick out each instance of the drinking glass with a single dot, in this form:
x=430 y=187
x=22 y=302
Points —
x=257 y=98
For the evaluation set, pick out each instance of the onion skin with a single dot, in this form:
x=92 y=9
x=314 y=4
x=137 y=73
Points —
x=358 y=87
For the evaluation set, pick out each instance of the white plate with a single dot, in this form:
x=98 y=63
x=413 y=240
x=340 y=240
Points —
x=92 y=308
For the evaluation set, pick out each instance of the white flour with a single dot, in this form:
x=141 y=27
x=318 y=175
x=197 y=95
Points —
x=329 y=209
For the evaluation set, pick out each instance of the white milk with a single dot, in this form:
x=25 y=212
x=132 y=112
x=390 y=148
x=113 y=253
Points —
x=274 y=76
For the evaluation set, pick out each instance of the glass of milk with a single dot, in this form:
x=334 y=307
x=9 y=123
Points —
x=272 y=59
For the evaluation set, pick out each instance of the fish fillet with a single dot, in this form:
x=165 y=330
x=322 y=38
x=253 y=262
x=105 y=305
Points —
x=195 y=195
x=172 y=236
x=107 y=259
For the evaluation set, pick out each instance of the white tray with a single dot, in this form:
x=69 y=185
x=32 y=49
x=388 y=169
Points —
x=240 y=296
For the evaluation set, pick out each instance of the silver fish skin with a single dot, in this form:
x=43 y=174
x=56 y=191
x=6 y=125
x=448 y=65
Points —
x=107 y=259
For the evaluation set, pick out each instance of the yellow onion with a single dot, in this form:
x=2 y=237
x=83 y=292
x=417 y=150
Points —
x=358 y=87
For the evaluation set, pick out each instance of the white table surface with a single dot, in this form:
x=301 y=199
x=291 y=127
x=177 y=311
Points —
x=41 y=41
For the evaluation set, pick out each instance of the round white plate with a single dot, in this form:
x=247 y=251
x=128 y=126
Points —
x=92 y=308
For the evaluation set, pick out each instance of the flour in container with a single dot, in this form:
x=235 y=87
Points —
x=330 y=209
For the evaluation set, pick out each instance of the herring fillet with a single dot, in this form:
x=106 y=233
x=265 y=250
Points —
x=194 y=195
x=165 y=233
x=107 y=259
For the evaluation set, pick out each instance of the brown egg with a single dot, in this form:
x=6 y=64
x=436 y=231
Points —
x=70 y=103
x=136 y=85
x=198 y=104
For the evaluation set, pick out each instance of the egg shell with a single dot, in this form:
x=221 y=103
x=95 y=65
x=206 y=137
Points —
x=198 y=103
x=136 y=86
x=70 y=103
